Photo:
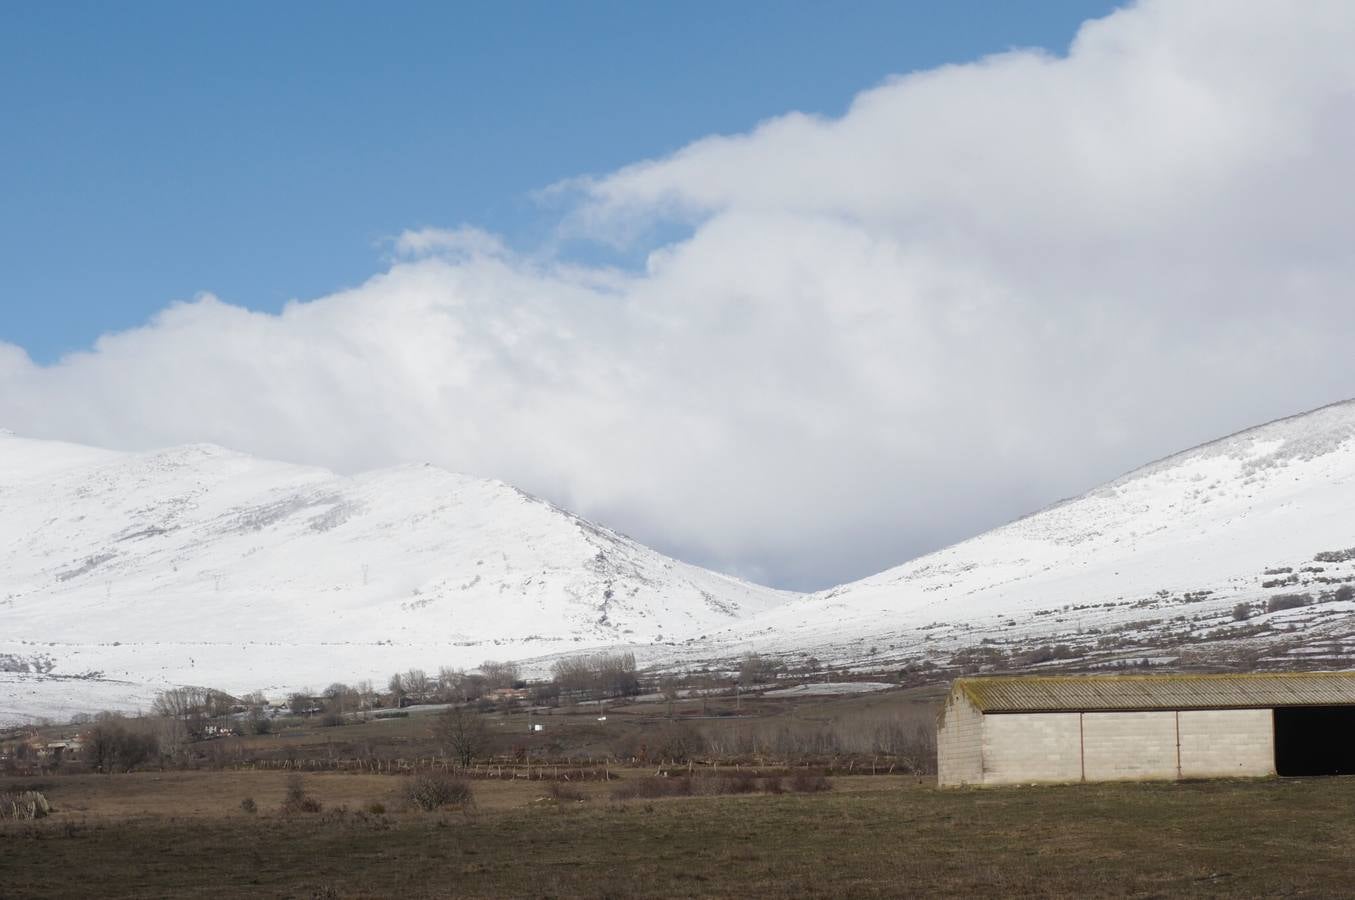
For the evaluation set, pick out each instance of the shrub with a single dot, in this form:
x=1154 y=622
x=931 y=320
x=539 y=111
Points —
x=337 y=814
x=734 y=783
x=1241 y=612
x=652 y=786
x=564 y=792
x=675 y=741
x=679 y=742
x=1344 y=592
x=724 y=783
x=376 y=808
x=744 y=783
x=297 y=800
x=24 y=805
x=435 y=790
x=248 y=806
x=1335 y=556
x=1287 y=601
x=809 y=783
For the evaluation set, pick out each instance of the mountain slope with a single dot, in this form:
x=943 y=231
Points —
x=198 y=565
x=120 y=573
x=1154 y=561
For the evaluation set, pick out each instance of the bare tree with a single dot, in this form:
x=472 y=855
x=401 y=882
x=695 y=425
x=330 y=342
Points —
x=110 y=746
x=604 y=674
x=461 y=734
x=300 y=703
x=397 y=688
x=573 y=674
x=449 y=683
x=616 y=674
x=668 y=686
x=186 y=711
x=416 y=683
x=754 y=669
x=172 y=734
x=101 y=746
x=499 y=674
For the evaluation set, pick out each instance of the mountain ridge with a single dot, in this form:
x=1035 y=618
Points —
x=1204 y=523
x=198 y=564
x=1176 y=562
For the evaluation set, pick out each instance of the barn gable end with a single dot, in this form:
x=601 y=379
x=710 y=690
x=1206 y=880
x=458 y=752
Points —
x=959 y=743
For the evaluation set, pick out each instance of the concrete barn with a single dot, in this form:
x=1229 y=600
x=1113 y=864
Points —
x=1064 y=728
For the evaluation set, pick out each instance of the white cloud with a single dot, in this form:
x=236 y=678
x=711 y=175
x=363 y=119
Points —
x=462 y=242
x=982 y=288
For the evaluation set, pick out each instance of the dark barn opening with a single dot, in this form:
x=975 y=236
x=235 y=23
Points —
x=1315 y=740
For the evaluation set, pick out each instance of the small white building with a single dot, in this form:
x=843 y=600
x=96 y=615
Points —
x=1064 y=728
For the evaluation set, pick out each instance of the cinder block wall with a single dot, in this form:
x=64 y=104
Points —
x=1020 y=748
x=1129 y=746
x=1227 y=742
x=959 y=739
x=1027 y=747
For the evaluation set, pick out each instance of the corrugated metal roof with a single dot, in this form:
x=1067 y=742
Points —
x=1058 y=693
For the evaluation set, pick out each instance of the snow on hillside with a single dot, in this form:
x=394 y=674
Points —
x=1159 y=558
x=120 y=573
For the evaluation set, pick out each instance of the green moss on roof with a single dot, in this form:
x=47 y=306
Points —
x=1053 y=693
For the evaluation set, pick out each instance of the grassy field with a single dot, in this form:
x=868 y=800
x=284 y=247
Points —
x=165 y=834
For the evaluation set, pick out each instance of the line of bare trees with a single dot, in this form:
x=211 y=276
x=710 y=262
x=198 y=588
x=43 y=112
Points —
x=597 y=675
x=452 y=685
x=910 y=740
x=113 y=744
x=185 y=713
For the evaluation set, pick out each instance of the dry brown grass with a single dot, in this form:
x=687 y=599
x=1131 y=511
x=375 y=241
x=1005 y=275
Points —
x=869 y=837
x=212 y=795
x=724 y=783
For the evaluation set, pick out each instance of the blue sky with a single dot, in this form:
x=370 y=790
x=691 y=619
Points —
x=263 y=152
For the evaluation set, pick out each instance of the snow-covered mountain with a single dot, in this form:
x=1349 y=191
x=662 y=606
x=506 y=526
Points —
x=1152 y=564
x=121 y=573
